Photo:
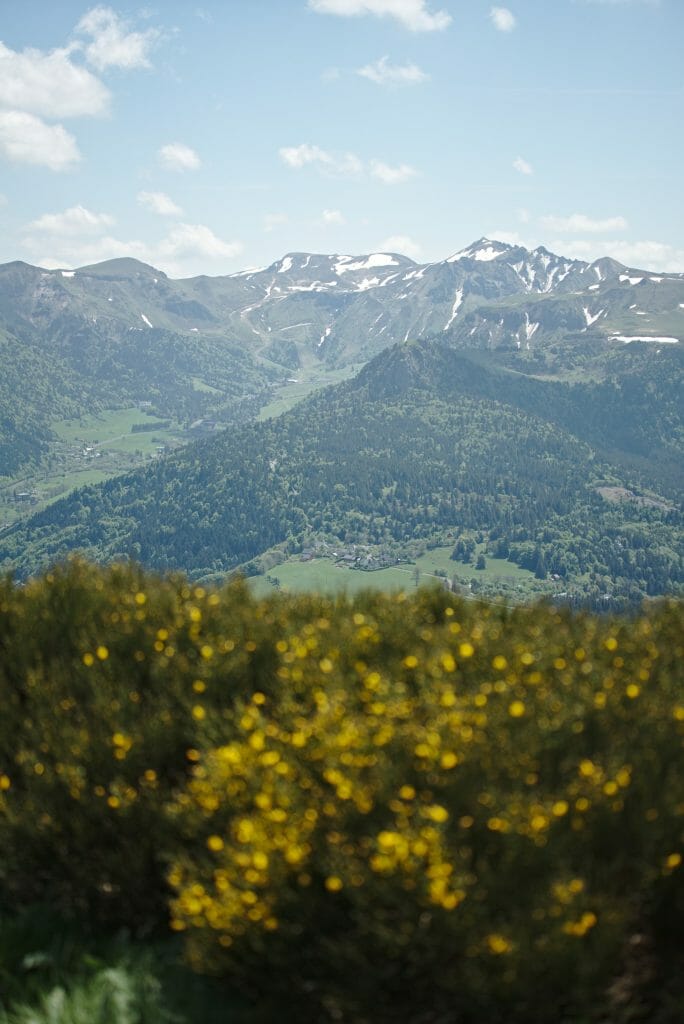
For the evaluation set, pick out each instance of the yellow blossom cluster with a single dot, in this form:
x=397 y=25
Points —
x=463 y=791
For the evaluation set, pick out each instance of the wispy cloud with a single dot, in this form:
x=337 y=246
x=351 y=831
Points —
x=644 y=255
x=78 y=236
x=77 y=220
x=176 y=156
x=332 y=218
x=344 y=164
x=402 y=244
x=275 y=220
x=159 y=203
x=382 y=72
x=522 y=166
x=614 y=3
x=412 y=14
x=579 y=223
x=111 y=43
x=392 y=175
x=502 y=19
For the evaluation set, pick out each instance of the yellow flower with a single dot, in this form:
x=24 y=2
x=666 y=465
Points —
x=215 y=843
x=333 y=883
x=466 y=649
x=673 y=860
x=516 y=709
x=498 y=944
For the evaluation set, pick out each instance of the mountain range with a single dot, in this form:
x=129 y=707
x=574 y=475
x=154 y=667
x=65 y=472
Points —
x=570 y=372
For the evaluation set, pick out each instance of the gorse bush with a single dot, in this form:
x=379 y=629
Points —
x=397 y=807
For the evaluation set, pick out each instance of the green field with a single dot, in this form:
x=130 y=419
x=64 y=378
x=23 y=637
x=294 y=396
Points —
x=306 y=382
x=114 y=450
x=322 y=575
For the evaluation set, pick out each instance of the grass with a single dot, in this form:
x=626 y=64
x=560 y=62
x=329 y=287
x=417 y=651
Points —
x=50 y=973
x=307 y=381
x=323 y=576
x=101 y=427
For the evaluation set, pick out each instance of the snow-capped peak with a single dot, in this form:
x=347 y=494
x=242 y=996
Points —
x=484 y=250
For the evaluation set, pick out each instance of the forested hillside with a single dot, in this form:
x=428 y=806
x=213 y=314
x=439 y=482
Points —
x=425 y=443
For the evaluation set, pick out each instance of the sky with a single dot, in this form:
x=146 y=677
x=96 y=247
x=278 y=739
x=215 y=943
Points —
x=218 y=136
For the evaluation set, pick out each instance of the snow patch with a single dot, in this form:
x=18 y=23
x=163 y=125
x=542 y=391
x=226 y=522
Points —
x=454 y=309
x=632 y=280
x=376 y=259
x=368 y=282
x=285 y=265
x=145 y=320
x=483 y=254
x=642 y=337
x=593 y=287
x=326 y=334
x=591 y=318
x=67 y=273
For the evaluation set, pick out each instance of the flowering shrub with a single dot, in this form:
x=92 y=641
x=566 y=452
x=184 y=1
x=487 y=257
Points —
x=390 y=808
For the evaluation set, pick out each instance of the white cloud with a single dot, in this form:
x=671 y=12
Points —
x=392 y=175
x=402 y=244
x=275 y=220
x=522 y=166
x=49 y=84
x=332 y=218
x=159 y=203
x=577 y=223
x=650 y=3
x=179 y=157
x=75 y=221
x=412 y=14
x=187 y=249
x=25 y=138
x=345 y=164
x=112 y=45
x=383 y=73
x=502 y=19
x=300 y=156
x=197 y=240
x=646 y=255
x=523 y=215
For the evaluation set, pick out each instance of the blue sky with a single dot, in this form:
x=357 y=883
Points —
x=210 y=137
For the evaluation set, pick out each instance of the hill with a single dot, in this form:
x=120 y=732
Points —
x=121 y=332
x=428 y=444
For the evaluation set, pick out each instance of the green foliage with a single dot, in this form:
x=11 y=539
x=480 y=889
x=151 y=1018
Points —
x=422 y=445
x=379 y=805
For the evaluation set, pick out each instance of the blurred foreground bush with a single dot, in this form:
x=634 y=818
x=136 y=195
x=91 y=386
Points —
x=386 y=808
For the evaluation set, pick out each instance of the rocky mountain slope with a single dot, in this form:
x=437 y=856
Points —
x=123 y=332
